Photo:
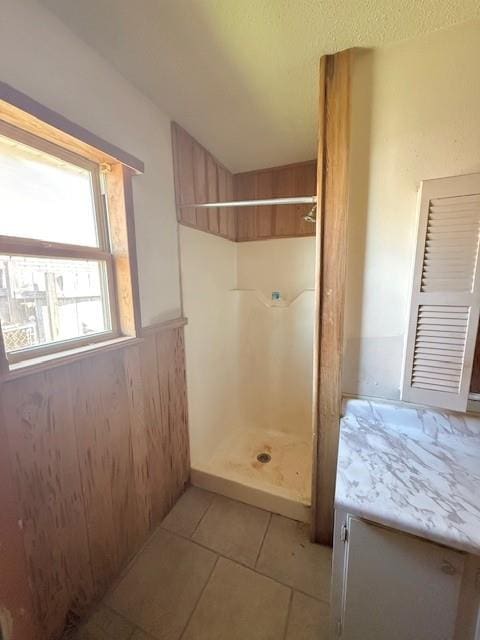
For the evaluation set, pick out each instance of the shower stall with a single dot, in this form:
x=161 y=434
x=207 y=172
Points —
x=249 y=351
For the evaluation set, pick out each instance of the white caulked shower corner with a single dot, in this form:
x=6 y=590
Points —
x=249 y=367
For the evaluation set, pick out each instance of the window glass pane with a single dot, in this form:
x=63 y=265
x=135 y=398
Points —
x=44 y=197
x=46 y=300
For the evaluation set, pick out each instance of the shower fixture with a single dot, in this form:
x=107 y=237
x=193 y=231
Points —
x=311 y=215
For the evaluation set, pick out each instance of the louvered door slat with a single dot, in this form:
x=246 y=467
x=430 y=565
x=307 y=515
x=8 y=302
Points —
x=436 y=350
x=439 y=336
x=456 y=223
x=444 y=366
x=432 y=374
x=445 y=298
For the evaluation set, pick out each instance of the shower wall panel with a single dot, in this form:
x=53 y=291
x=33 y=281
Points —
x=208 y=266
x=276 y=335
x=249 y=339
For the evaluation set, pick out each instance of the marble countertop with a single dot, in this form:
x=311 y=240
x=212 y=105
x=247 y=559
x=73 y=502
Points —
x=412 y=469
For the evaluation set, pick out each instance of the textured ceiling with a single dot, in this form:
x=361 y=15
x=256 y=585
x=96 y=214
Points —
x=241 y=75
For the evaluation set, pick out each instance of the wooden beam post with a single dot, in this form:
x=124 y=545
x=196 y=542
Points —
x=330 y=272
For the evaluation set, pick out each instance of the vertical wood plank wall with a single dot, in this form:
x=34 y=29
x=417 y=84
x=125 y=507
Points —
x=200 y=178
x=99 y=453
x=284 y=221
x=331 y=250
x=17 y=618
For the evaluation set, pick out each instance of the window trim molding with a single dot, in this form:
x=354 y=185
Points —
x=14 y=245
x=26 y=113
x=116 y=228
x=62 y=358
x=58 y=348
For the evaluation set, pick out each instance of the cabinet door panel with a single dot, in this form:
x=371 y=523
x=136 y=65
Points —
x=398 y=587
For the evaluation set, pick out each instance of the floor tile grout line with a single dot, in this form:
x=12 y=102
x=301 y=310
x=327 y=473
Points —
x=118 y=613
x=137 y=627
x=189 y=538
x=263 y=540
x=144 y=632
x=219 y=553
x=243 y=564
x=260 y=573
x=123 y=617
x=291 y=588
x=207 y=582
x=116 y=583
x=289 y=611
x=203 y=517
x=131 y=561
x=246 y=566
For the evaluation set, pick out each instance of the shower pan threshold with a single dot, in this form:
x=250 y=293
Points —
x=282 y=484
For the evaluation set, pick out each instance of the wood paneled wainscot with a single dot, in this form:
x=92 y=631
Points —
x=98 y=451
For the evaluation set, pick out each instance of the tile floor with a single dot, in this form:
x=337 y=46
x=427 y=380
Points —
x=217 y=569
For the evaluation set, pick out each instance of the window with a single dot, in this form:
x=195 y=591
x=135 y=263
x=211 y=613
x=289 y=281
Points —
x=57 y=288
x=445 y=303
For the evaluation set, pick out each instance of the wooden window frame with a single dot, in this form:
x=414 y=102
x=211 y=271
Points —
x=30 y=247
x=113 y=201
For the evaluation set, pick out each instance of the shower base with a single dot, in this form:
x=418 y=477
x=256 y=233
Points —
x=282 y=484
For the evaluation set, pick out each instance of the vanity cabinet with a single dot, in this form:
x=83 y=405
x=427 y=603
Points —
x=389 y=585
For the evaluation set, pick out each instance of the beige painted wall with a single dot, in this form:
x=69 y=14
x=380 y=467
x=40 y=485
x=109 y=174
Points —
x=42 y=58
x=248 y=364
x=416 y=115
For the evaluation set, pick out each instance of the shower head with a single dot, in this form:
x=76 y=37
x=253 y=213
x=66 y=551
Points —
x=311 y=216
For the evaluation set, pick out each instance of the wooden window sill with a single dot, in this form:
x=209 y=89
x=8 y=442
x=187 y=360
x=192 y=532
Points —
x=42 y=363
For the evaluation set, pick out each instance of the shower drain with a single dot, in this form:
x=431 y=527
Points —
x=264 y=457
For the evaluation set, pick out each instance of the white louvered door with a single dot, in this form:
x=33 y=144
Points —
x=445 y=302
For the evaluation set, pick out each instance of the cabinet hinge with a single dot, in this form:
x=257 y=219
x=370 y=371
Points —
x=344 y=532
